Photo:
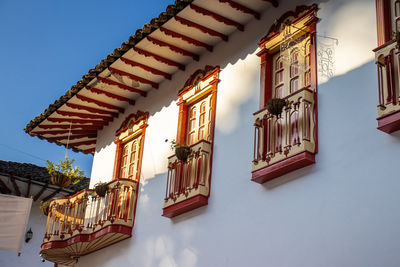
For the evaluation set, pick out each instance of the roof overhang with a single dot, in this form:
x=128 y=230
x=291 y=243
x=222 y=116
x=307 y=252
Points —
x=180 y=35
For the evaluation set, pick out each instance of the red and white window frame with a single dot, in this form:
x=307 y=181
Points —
x=289 y=141
x=188 y=183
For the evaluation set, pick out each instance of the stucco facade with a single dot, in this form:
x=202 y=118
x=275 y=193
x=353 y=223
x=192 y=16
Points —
x=340 y=211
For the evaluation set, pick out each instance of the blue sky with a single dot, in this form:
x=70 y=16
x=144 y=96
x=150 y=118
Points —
x=45 y=48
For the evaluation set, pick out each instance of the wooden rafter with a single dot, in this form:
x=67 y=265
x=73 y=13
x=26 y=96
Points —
x=201 y=28
x=146 y=68
x=274 y=3
x=92 y=122
x=186 y=39
x=89 y=151
x=111 y=95
x=44 y=187
x=5 y=187
x=241 y=8
x=28 y=190
x=84 y=115
x=72 y=137
x=100 y=103
x=83 y=143
x=122 y=86
x=134 y=77
x=16 y=188
x=217 y=17
x=173 y=48
x=66 y=126
x=38 y=133
x=160 y=58
x=52 y=194
x=90 y=109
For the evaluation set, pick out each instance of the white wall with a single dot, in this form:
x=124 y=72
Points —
x=341 y=211
x=30 y=251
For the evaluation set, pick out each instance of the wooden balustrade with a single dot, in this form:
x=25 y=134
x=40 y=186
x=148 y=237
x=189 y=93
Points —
x=387 y=58
x=86 y=217
x=279 y=138
x=187 y=180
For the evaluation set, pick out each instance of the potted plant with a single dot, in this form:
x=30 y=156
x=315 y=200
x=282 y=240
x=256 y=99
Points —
x=182 y=152
x=101 y=189
x=44 y=206
x=63 y=173
x=275 y=106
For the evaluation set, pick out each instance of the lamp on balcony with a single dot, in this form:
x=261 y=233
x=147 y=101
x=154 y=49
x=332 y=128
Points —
x=28 y=235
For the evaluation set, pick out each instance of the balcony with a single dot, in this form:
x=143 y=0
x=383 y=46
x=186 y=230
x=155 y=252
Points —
x=85 y=222
x=387 y=60
x=288 y=142
x=188 y=183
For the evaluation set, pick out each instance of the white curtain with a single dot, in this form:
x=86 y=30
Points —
x=14 y=216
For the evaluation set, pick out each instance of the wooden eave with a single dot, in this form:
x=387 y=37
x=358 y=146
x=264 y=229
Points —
x=182 y=34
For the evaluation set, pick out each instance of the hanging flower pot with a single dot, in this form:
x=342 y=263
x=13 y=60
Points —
x=182 y=152
x=275 y=106
x=44 y=206
x=101 y=189
x=59 y=179
x=63 y=174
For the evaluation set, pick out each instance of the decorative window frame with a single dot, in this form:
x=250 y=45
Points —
x=134 y=126
x=387 y=58
x=189 y=183
x=300 y=115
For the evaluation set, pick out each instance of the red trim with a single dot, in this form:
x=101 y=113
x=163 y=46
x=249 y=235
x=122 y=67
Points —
x=282 y=167
x=111 y=95
x=138 y=116
x=99 y=103
x=217 y=17
x=90 y=109
x=173 y=48
x=201 y=28
x=67 y=126
x=383 y=21
x=241 y=8
x=89 y=151
x=84 y=115
x=93 y=122
x=83 y=143
x=36 y=133
x=72 y=137
x=120 y=85
x=265 y=77
x=185 y=206
x=186 y=39
x=159 y=58
x=126 y=230
x=132 y=77
x=299 y=13
x=389 y=123
x=146 y=68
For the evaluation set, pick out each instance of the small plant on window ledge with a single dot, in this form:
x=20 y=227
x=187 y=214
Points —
x=101 y=189
x=44 y=206
x=63 y=173
x=275 y=106
x=182 y=152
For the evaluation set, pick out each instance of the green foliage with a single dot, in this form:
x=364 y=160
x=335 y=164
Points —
x=65 y=167
x=174 y=144
x=100 y=184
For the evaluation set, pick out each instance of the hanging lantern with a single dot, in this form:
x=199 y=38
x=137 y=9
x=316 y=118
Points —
x=28 y=235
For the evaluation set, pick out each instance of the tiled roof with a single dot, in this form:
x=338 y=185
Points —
x=140 y=34
x=35 y=173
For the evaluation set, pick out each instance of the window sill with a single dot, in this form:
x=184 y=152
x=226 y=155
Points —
x=282 y=167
